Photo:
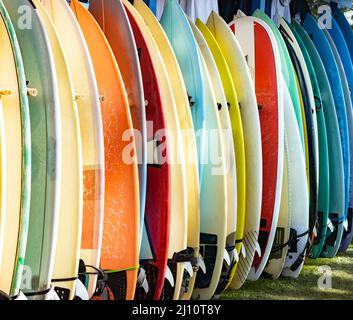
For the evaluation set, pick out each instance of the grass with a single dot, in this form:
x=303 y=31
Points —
x=306 y=286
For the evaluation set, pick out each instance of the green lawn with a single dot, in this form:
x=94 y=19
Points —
x=306 y=286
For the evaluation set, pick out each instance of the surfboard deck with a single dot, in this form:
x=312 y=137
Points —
x=46 y=149
x=189 y=141
x=266 y=73
x=71 y=200
x=178 y=217
x=324 y=174
x=221 y=119
x=18 y=159
x=327 y=56
x=333 y=135
x=120 y=253
x=241 y=83
x=111 y=17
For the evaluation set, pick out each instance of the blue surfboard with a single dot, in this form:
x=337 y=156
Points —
x=178 y=30
x=152 y=4
x=328 y=58
x=347 y=33
x=337 y=198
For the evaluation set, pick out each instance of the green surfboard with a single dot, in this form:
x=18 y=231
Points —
x=26 y=155
x=44 y=117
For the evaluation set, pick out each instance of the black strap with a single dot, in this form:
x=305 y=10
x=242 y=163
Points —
x=65 y=279
x=37 y=293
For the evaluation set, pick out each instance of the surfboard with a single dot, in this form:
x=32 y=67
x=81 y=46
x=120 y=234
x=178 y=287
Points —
x=336 y=169
x=343 y=227
x=178 y=217
x=348 y=36
x=324 y=173
x=90 y=118
x=188 y=136
x=221 y=91
x=188 y=57
x=18 y=158
x=287 y=70
x=346 y=61
x=248 y=218
x=70 y=214
x=327 y=56
x=237 y=132
x=111 y=17
x=309 y=114
x=46 y=150
x=152 y=5
x=104 y=61
x=267 y=81
x=226 y=156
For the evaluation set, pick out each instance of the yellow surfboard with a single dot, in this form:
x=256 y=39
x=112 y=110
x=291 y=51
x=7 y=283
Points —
x=178 y=221
x=186 y=124
x=239 y=72
x=238 y=135
x=71 y=204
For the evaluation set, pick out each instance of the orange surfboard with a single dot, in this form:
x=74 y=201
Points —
x=120 y=247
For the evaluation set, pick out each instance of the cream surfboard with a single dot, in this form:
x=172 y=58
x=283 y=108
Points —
x=238 y=143
x=253 y=146
x=85 y=85
x=229 y=158
x=70 y=215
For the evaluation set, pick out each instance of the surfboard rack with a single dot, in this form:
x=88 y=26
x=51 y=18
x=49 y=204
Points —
x=32 y=92
x=5 y=92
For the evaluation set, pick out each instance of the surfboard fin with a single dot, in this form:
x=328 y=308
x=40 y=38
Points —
x=142 y=280
x=188 y=268
x=226 y=257
x=236 y=255
x=81 y=291
x=258 y=249
x=243 y=251
x=201 y=264
x=330 y=225
x=169 y=276
x=345 y=225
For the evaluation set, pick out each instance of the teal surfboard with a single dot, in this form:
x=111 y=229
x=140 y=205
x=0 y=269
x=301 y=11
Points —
x=324 y=176
x=337 y=198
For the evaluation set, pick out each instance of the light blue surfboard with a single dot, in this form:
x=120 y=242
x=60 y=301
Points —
x=178 y=30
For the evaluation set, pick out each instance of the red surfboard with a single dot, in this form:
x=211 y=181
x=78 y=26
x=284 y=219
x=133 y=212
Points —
x=262 y=62
x=157 y=212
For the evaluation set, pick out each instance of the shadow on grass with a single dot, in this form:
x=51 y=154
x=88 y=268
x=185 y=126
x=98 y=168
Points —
x=306 y=286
